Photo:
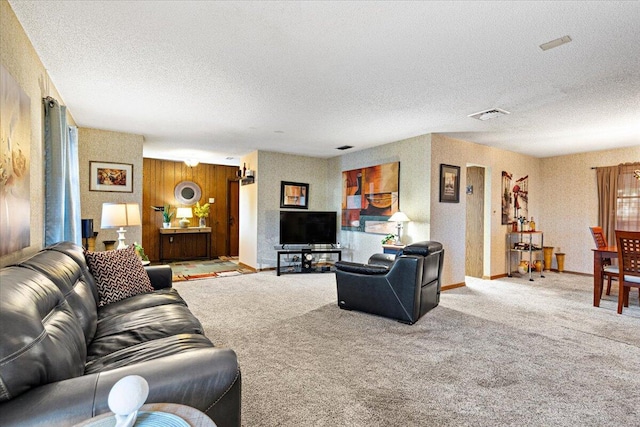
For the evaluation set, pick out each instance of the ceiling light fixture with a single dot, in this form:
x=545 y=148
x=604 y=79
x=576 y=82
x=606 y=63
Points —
x=191 y=163
x=344 y=147
x=555 y=43
x=489 y=114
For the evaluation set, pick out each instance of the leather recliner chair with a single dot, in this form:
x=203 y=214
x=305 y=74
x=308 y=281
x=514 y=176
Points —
x=402 y=288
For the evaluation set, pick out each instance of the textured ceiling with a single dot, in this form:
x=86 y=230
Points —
x=213 y=80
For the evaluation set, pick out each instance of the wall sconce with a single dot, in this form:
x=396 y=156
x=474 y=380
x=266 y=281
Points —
x=191 y=163
x=120 y=215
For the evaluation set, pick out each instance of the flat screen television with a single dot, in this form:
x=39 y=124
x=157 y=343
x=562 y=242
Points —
x=308 y=228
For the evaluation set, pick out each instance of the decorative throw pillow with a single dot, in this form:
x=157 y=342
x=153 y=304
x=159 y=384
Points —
x=118 y=274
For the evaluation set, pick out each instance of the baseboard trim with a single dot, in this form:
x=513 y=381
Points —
x=248 y=267
x=454 y=286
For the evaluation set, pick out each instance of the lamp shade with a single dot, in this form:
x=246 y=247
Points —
x=120 y=214
x=399 y=217
x=184 y=213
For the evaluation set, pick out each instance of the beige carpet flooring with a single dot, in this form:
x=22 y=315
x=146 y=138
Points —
x=494 y=353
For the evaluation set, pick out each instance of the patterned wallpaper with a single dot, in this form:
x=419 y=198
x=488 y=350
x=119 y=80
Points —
x=21 y=61
x=107 y=146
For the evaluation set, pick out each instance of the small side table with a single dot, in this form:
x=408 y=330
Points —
x=392 y=249
x=191 y=415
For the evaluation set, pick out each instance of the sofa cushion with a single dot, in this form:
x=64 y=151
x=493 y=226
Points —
x=123 y=330
x=42 y=341
x=148 y=350
x=137 y=302
x=118 y=274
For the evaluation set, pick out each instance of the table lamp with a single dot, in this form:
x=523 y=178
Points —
x=184 y=213
x=120 y=215
x=399 y=217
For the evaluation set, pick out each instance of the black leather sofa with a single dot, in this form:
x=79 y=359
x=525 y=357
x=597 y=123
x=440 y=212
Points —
x=60 y=354
x=402 y=288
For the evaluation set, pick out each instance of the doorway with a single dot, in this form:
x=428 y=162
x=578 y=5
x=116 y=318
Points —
x=233 y=215
x=474 y=240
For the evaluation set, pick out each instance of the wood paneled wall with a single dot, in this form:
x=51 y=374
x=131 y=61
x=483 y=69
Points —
x=160 y=178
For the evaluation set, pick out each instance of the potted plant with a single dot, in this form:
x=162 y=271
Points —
x=201 y=211
x=389 y=239
x=140 y=251
x=166 y=216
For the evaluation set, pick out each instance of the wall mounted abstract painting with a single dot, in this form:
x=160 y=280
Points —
x=15 y=165
x=369 y=197
x=294 y=195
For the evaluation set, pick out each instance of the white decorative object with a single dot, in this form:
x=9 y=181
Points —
x=126 y=397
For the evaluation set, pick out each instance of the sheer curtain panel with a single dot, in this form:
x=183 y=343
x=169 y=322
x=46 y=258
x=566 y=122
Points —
x=62 y=176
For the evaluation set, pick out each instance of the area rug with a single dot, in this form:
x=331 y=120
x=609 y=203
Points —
x=194 y=270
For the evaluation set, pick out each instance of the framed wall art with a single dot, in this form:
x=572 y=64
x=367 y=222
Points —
x=116 y=177
x=449 y=183
x=294 y=195
x=370 y=196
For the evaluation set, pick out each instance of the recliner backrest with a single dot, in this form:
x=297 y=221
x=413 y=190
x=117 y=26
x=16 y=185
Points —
x=433 y=253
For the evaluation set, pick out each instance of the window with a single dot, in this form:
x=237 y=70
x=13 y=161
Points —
x=628 y=198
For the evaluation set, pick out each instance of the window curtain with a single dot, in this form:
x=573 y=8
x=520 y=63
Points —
x=607 y=178
x=628 y=194
x=62 y=176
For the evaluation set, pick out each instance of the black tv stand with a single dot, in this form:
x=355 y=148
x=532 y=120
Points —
x=312 y=266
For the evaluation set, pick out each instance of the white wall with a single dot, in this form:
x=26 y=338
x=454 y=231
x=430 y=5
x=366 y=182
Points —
x=571 y=203
x=414 y=155
x=249 y=214
x=448 y=219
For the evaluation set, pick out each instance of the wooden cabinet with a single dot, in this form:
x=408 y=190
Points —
x=185 y=243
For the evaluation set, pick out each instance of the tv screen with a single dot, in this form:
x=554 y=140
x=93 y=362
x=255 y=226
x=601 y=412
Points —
x=307 y=228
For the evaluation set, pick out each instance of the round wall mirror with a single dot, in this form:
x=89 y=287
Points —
x=187 y=193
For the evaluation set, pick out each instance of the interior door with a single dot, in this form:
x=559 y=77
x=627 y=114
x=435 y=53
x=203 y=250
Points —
x=474 y=248
x=233 y=226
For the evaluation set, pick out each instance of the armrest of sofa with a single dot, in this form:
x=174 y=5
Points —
x=207 y=379
x=161 y=276
x=382 y=259
x=352 y=267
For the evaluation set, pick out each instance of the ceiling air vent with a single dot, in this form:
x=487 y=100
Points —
x=489 y=114
x=344 y=147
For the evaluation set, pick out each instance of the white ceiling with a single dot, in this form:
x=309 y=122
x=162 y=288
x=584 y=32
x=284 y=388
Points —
x=212 y=80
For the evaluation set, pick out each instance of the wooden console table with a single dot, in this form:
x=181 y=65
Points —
x=185 y=243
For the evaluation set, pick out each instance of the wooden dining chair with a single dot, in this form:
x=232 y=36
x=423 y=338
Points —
x=629 y=265
x=609 y=271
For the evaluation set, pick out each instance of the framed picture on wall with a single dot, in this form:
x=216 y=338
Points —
x=449 y=183
x=294 y=195
x=116 y=177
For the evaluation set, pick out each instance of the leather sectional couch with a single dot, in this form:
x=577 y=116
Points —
x=60 y=353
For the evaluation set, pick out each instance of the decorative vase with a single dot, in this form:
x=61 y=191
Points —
x=548 y=254
x=560 y=259
x=202 y=222
x=538 y=265
x=166 y=225
x=523 y=267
